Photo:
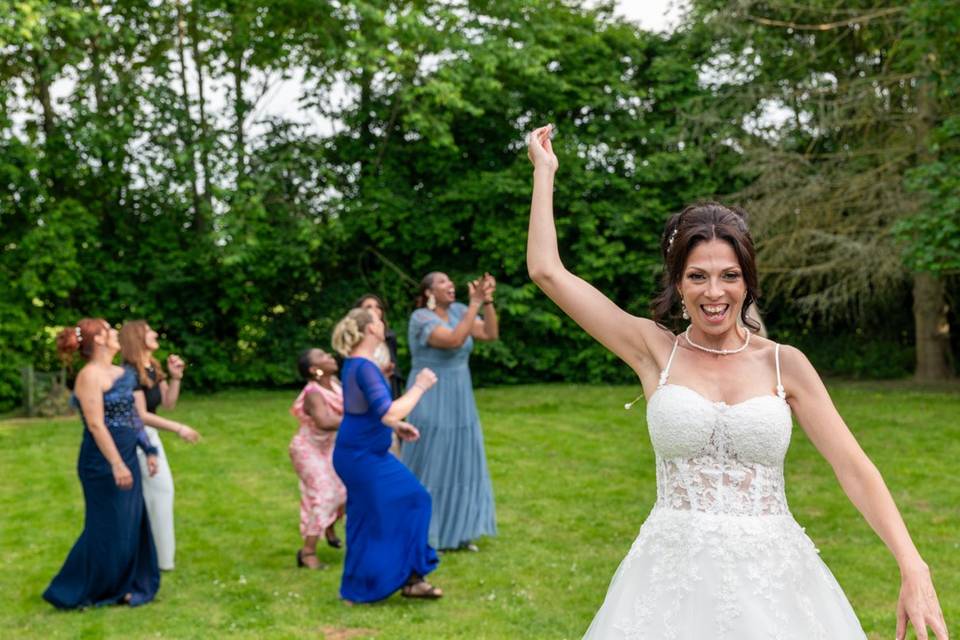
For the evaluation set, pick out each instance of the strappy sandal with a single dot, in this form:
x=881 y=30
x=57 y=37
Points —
x=421 y=589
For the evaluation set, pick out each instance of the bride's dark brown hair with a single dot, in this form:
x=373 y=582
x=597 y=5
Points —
x=702 y=222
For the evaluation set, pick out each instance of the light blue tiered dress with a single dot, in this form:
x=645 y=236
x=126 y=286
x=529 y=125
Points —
x=449 y=458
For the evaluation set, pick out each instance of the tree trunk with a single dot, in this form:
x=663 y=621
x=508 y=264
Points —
x=204 y=141
x=187 y=121
x=51 y=141
x=930 y=307
x=932 y=328
x=240 y=113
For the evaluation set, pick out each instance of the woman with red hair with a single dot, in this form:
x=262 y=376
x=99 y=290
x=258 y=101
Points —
x=114 y=560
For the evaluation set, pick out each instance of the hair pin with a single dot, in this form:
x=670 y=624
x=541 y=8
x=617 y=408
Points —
x=673 y=235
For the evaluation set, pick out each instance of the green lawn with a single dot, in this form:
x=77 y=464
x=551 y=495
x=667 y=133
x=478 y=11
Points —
x=574 y=478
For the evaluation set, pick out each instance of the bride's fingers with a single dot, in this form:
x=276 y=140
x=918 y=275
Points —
x=535 y=135
x=901 y=623
x=939 y=626
x=919 y=625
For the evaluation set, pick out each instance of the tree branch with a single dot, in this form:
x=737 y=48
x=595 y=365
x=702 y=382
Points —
x=825 y=26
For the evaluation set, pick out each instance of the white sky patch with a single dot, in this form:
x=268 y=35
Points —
x=653 y=15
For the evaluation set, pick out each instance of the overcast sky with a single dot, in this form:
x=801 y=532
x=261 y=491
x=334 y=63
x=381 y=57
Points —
x=654 y=15
x=282 y=98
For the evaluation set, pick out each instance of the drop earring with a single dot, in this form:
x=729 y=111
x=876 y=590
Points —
x=683 y=311
x=431 y=302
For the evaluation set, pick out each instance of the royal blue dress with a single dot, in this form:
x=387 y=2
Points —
x=388 y=511
x=449 y=458
x=114 y=556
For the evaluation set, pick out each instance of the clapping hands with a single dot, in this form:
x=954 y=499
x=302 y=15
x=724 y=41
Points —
x=482 y=289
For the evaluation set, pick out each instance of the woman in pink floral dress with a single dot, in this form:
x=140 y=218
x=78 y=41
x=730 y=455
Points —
x=319 y=409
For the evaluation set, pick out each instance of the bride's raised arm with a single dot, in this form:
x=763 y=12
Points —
x=628 y=336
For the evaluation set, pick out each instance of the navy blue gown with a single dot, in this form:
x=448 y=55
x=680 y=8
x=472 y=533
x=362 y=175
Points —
x=114 y=555
x=388 y=510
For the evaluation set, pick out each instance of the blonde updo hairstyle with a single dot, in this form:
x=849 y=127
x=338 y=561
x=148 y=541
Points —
x=349 y=332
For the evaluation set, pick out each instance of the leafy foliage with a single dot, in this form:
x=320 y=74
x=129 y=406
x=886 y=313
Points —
x=144 y=175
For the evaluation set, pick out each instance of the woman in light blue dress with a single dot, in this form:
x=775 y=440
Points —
x=449 y=458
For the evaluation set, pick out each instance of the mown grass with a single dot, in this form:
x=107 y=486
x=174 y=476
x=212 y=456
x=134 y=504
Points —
x=574 y=478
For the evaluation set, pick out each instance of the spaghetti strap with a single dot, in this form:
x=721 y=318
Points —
x=663 y=374
x=666 y=370
x=780 y=391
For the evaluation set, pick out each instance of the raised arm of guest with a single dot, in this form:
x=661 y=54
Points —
x=171 y=390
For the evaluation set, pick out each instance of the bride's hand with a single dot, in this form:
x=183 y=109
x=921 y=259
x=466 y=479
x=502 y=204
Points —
x=540 y=149
x=918 y=603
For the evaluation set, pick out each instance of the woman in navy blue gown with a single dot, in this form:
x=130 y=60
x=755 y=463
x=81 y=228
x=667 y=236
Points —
x=388 y=510
x=114 y=560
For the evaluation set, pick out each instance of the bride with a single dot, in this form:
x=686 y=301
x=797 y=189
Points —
x=720 y=555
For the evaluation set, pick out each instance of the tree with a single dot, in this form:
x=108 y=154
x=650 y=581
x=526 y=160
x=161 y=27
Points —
x=835 y=105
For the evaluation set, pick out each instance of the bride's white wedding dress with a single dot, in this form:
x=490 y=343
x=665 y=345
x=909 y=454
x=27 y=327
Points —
x=720 y=556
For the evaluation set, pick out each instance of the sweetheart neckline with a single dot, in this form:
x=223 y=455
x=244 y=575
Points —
x=715 y=402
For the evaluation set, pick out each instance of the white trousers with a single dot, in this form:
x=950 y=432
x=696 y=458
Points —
x=158 y=496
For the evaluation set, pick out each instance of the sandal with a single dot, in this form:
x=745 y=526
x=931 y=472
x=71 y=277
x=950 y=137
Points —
x=331 y=536
x=302 y=564
x=421 y=589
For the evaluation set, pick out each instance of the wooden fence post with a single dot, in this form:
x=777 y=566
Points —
x=28 y=389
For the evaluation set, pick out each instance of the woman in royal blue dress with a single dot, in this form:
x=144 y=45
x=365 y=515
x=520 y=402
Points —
x=388 y=510
x=114 y=560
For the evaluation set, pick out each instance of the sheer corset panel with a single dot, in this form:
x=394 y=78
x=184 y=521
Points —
x=718 y=458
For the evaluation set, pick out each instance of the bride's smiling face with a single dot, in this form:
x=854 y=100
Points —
x=712 y=287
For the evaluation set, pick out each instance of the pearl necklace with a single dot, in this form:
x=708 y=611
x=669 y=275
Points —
x=719 y=352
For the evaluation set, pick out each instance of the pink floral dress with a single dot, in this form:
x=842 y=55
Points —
x=322 y=494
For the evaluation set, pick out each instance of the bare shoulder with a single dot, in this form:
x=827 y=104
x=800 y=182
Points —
x=89 y=374
x=794 y=359
x=91 y=378
x=657 y=340
x=653 y=332
x=796 y=369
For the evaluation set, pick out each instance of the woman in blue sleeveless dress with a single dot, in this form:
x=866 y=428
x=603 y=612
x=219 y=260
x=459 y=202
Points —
x=114 y=560
x=388 y=511
x=449 y=457
x=720 y=555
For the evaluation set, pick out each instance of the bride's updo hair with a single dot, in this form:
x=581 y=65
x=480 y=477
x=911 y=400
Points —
x=702 y=222
x=349 y=332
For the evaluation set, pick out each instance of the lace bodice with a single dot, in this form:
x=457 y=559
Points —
x=718 y=458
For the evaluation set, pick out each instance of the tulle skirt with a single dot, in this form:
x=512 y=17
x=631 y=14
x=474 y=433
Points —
x=698 y=576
